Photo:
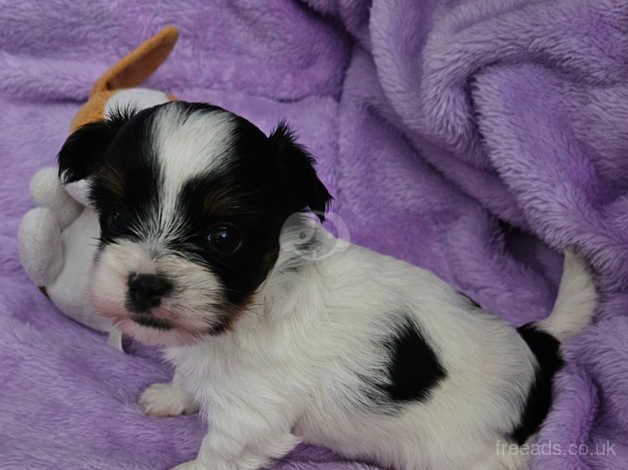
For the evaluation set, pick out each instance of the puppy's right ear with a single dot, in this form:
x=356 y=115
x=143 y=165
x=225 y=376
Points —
x=83 y=151
x=301 y=186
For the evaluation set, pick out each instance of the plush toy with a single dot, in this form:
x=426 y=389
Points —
x=58 y=238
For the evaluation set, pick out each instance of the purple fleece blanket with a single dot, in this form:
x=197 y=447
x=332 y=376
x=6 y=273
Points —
x=473 y=138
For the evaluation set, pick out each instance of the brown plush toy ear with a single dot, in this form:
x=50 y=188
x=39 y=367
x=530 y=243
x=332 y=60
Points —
x=139 y=64
x=128 y=72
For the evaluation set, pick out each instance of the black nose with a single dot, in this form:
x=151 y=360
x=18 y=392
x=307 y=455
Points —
x=146 y=291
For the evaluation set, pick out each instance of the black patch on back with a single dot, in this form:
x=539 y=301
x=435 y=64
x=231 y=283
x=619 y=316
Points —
x=546 y=349
x=414 y=369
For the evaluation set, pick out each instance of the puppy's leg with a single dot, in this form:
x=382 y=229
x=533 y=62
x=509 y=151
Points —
x=245 y=436
x=249 y=459
x=167 y=399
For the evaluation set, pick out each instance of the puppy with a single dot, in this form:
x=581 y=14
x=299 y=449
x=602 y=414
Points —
x=201 y=252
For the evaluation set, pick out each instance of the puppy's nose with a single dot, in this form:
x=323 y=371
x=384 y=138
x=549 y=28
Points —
x=146 y=291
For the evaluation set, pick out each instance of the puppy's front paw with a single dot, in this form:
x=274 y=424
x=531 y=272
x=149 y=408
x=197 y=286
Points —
x=166 y=400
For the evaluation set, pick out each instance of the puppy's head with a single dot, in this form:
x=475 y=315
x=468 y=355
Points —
x=191 y=200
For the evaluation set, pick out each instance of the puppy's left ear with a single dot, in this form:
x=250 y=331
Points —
x=83 y=151
x=301 y=186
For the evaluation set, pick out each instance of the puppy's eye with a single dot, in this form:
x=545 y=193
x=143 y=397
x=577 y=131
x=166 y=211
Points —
x=115 y=220
x=224 y=238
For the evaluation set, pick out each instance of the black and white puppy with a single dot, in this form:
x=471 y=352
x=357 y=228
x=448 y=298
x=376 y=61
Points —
x=356 y=351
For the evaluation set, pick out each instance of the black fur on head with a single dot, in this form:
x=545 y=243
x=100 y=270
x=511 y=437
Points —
x=84 y=150
x=295 y=167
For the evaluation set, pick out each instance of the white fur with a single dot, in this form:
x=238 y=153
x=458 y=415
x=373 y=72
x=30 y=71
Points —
x=291 y=368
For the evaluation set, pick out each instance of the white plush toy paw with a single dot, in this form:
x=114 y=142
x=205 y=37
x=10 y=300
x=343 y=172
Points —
x=41 y=246
x=48 y=191
x=40 y=242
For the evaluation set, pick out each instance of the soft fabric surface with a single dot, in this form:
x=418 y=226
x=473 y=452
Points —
x=476 y=139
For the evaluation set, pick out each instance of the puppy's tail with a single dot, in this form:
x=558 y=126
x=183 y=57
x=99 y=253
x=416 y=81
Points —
x=575 y=302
